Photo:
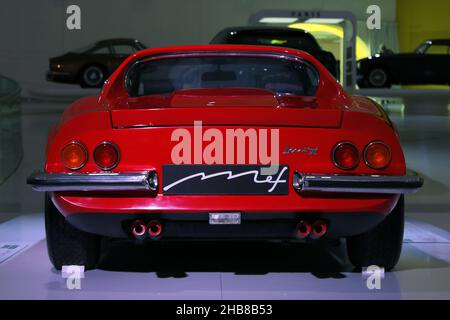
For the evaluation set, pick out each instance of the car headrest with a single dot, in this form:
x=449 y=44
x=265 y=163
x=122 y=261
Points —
x=216 y=78
x=150 y=87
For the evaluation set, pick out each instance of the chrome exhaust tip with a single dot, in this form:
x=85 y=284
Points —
x=138 y=229
x=154 y=229
x=319 y=229
x=303 y=229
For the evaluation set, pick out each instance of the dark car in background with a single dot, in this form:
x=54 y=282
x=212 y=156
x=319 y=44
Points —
x=280 y=37
x=428 y=64
x=90 y=66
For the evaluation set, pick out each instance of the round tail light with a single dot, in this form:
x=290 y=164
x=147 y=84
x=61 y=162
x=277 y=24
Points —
x=377 y=155
x=73 y=155
x=106 y=156
x=345 y=156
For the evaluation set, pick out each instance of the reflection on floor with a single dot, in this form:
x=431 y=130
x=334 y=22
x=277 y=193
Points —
x=225 y=270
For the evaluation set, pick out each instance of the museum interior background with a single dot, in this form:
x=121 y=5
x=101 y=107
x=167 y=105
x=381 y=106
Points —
x=33 y=31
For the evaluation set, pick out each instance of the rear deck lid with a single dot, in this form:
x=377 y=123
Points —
x=221 y=107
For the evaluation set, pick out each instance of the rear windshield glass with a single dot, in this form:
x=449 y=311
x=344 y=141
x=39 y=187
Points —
x=163 y=76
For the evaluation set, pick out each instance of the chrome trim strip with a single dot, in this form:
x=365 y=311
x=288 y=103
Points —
x=357 y=184
x=41 y=181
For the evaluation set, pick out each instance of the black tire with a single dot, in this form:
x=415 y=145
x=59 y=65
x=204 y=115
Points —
x=92 y=76
x=67 y=245
x=382 y=245
x=378 y=77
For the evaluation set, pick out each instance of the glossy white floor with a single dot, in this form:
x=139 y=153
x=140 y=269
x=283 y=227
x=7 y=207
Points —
x=226 y=270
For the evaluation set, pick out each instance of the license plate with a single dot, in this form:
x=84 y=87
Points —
x=225 y=218
x=180 y=179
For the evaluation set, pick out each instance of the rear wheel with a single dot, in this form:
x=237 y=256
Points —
x=378 y=78
x=67 y=245
x=382 y=245
x=92 y=76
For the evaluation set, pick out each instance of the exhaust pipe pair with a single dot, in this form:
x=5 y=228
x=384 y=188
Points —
x=140 y=230
x=314 y=231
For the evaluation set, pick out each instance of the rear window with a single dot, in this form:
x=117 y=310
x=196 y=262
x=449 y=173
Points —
x=163 y=76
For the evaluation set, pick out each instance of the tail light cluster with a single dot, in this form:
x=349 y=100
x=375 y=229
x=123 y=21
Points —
x=74 y=155
x=106 y=156
x=345 y=156
x=376 y=155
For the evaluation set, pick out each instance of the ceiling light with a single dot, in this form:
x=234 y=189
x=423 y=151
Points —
x=324 y=20
x=278 y=20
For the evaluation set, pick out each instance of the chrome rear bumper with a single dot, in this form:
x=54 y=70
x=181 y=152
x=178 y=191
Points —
x=357 y=184
x=41 y=181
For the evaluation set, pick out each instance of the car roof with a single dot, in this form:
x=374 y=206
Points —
x=439 y=41
x=265 y=29
x=116 y=40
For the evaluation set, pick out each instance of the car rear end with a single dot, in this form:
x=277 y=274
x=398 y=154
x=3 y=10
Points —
x=286 y=157
x=63 y=69
x=142 y=170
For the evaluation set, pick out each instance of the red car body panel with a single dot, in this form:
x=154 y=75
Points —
x=141 y=128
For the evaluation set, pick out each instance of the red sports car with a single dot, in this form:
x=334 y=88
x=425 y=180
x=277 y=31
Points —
x=224 y=142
